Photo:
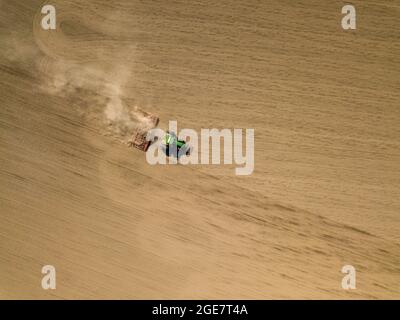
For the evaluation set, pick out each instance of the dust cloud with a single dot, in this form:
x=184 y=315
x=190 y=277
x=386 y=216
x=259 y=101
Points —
x=98 y=95
x=96 y=91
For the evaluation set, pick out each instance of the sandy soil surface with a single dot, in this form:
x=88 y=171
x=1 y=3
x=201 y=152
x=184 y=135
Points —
x=324 y=104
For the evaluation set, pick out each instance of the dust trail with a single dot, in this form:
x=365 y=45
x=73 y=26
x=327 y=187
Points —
x=94 y=89
x=98 y=95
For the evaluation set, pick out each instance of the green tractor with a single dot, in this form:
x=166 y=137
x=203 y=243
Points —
x=172 y=146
